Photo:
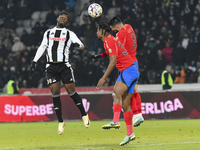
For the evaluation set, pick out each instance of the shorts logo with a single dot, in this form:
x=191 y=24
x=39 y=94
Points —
x=110 y=50
x=53 y=80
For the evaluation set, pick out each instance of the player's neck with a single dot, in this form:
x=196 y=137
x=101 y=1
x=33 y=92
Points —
x=107 y=34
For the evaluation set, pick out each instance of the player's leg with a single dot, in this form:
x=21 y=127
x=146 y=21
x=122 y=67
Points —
x=127 y=118
x=129 y=78
x=137 y=113
x=70 y=88
x=117 y=98
x=68 y=80
x=53 y=81
x=136 y=104
x=55 y=90
x=67 y=77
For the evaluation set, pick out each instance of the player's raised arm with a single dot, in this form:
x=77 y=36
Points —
x=76 y=41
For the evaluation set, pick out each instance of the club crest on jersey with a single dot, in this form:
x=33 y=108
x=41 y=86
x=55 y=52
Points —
x=110 y=50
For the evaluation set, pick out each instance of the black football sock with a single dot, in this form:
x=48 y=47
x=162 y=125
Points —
x=57 y=107
x=78 y=101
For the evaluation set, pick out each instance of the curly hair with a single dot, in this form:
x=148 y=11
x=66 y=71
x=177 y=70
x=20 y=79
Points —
x=105 y=28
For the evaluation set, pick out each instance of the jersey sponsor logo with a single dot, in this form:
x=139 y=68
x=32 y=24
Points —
x=57 y=39
x=110 y=50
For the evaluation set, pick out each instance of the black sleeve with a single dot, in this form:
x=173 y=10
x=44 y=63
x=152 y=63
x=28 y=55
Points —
x=15 y=88
x=166 y=78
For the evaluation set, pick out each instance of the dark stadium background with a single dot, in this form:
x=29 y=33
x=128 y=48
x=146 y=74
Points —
x=169 y=28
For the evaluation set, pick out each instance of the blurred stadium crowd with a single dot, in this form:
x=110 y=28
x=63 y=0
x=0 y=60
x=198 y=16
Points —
x=168 y=32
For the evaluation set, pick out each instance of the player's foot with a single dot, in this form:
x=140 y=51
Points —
x=86 y=121
x=115 y=125
x=61 y=126
x=127 y=139
x=137 y=120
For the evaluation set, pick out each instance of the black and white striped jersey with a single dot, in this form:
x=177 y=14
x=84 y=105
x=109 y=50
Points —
x=56 y=42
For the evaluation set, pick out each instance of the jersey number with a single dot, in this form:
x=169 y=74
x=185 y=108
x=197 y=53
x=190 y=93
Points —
x=124 y=52
x=134 y=40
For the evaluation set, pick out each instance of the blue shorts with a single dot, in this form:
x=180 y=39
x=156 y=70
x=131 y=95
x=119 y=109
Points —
x=136 y=65
x=129 y=76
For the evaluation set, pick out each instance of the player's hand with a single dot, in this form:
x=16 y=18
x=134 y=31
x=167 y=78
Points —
x=76 y=45
x=101 y=82
x=33 y=67
x=94 y=56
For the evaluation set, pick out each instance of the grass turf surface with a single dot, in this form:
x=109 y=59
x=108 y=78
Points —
x=151 y=135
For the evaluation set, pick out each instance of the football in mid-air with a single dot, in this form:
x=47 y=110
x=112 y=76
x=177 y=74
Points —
x=95 y=10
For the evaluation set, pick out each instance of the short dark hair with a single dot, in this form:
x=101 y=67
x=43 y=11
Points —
x=64 y=13
x=114 y=21
x=105 y=28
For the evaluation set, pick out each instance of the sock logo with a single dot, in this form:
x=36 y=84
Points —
x=86 y=104
x=56 y=108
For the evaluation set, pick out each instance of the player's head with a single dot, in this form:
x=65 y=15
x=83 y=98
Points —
x=115 y=24
x=62 y=19
x=103 y=30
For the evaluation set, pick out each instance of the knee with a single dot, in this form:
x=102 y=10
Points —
x=113 y=95
x=70 y=90
x=116 y=98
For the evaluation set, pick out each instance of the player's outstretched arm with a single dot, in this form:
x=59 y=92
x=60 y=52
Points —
x=97 y=56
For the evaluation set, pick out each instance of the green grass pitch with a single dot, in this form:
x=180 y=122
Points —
x=150 y=135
